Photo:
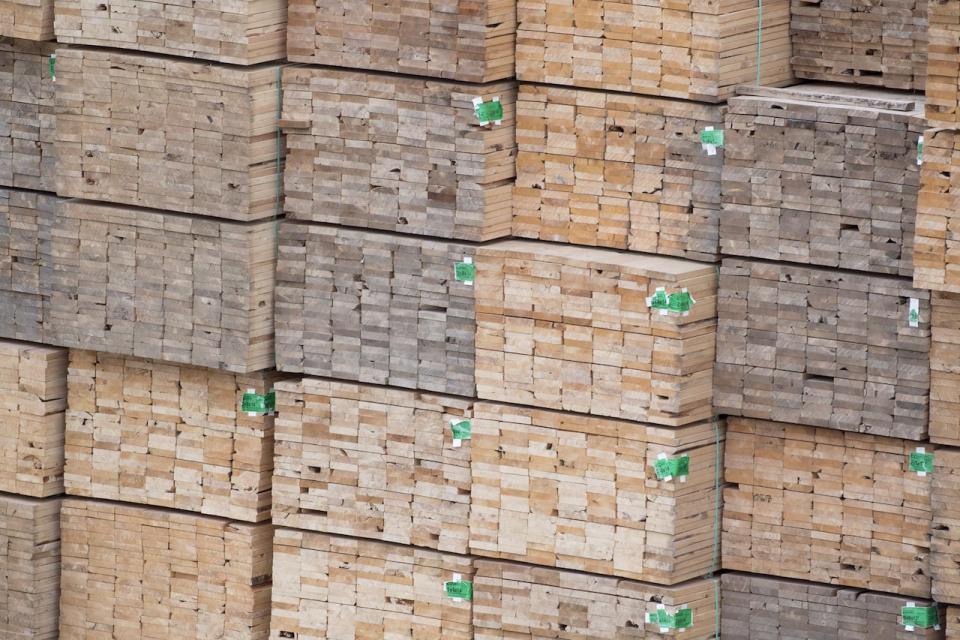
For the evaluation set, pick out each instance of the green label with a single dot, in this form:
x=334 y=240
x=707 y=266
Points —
x=462 y=589
x=914 y=316
x=488 y=112
x=461 y=429
x=680 y=302
x=921 y=462
x=672 y=467
x=921 y=617
x=465 y=272
x=256 y=403
x=659 y=300
x=53 y=65
x=920 y=150
x=682 y=619
x=712 y=137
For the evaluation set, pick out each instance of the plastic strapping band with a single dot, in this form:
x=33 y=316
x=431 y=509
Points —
x=759 y=37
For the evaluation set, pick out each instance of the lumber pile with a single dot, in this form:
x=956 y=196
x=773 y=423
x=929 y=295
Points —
x=398 y=154
x=936 y=248
x=689 y=50
x=945 y=368
x=953 y=622
x=160 y=285
x=613 y=170
x=822 y=175
x=524 y=602
x=587 y=493
x=242 y=33
x=823 y=348
x=27 y=119
x=373 y=462
x=141 y=572
x=881 y=44
x=945 y=529
x=376 y=308
x=26 y=19
x=169 y=435
x=331 y=587
x=826 y=505
x=168 y=133
x=466 y=41
x=33 y=397
x=765 y=608
x=595 y=331
x=943 y=64
x=30 y=567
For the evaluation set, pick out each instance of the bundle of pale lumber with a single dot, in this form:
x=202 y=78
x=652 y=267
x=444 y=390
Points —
x=936 y=250
x=823 y=175
x=945 y=369
x=523 y=602
x=142 y=572
x=29 y=567
x=398 y=154
x=376 y=307
x=945 y=530
x=613 y=170
x=697 y=51
x=27 y=119
x=331 y=587
x=469 y=41
x=178 y=288
x=943 y=64
x=27 y=19
x=169 y=435
x=953 y=622
x=595 y=331
x=829 y=506
x=33 y=397
x=881 y=44
x=373 y=462
x=594 y=494
x=766 y=608
x=245 y=32
x=168 y=133
x=822 y=347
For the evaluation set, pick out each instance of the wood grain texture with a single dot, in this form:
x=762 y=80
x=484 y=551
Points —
x=953 y=622
x=823 y=348
x=945 y=529
x=826 y=505
x=945 y=369
x=936 y=265
x=168 y=133
x=27 y=118
x=619 y=171
x=27 y=19
x=943 y=64
x=813 y=175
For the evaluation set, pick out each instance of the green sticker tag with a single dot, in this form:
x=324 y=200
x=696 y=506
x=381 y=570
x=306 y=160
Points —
x=658 y=300
x=921 y=462
x=682 y=619
x=53 y=66
x=712 y=137
x=914 y=317
x=672 y=467
x=465 y=272
x=920 y=150
x=255 y=403
x=461 y=589
x=461 y=429
x=680 y=302
x=488 y=112
x=920 y=617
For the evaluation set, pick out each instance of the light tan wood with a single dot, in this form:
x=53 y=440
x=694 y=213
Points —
x=953 y=622
x=28 y=133
x=26 y=19
x=945 y=529
x=945 y=369
x=936 y=248
x=943 y=64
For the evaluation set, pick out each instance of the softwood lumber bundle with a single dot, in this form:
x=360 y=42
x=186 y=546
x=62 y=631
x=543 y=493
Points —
x=943 y=64
x=687 y=50
x=766 y=608
x=521 y=601
x=945 y=529
x=331 y=587
x=822 y=174
x=26 y=19
x=880 y=44
x=585 y=493
x=470 y=41
x=33 y=397
x=27 y=119
x=953 y=622
x=142 y=572
x=936 y=251
x=168 y=133
x=945 y=369
x=245 y=32
x=372 y=462
x=591 y=331
x=613 y=170
x=398 y=154
x=26 y=222
x=826 y=505
x=178 y=288
x=168 y=435
x=30 y=566
x=824 y=348
x=376 y=308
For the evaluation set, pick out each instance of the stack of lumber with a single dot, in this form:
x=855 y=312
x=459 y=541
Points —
x=618 y=171
x=882 y=44
x=168 y=435
x=826 y=505
x=467 y=41
x=372 y=462
x=27 y=19
x=581 y=329
x=945 y=369
x=168 y=133
x=27 y=119
x=690 y=50
x=936 y=250
x=33 y=397
x=160 y=285
x=330 y=587
x=243 y=33
x=943 y=64
x=141 y=572
x=375 y=307
x=765 y=608
x=823 y=175
x=579 y=492
x=29 y=567
x=523 y=602
x=824 y=348
x=953 y=622
x=945 y=529
x=397 y=154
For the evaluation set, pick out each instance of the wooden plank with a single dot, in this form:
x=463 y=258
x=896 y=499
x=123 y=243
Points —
x=943 y=64
x=26 y=19
x=619 y=171
x=945 y=529
x=945 y=369
x=826 y=505
x=823 y=348
x=936 y=265
x=953 y=622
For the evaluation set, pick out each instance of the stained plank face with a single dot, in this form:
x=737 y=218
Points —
x=938 y=220
x=26 y=19
x=943 y=65
x=945 y=528
x=945 y=369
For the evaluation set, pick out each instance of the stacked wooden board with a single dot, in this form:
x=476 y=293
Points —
x=945 y=529
x=27 y=19
x=944 y=369
x=935 y=253
x=943 y=65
